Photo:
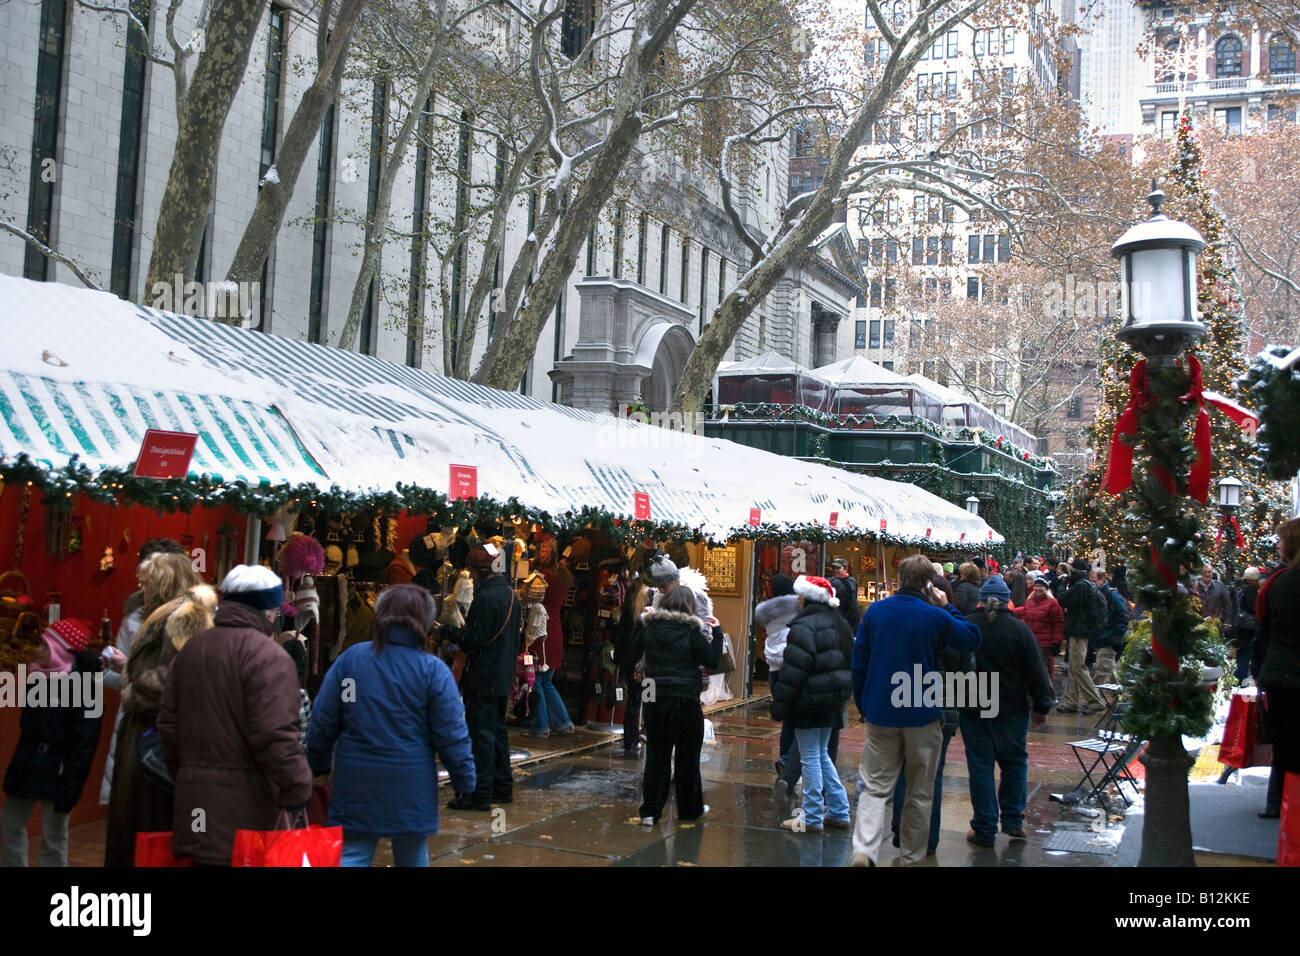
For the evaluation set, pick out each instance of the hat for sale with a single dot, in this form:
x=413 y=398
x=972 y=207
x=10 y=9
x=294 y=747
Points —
x=816 y=589
x=995 y=587
x=72 y=634
x=253 y=585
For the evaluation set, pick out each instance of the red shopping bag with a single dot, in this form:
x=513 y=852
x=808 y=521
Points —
x=313 y=846
x=155 y=849
x=1288 y=834
x=1241 y=746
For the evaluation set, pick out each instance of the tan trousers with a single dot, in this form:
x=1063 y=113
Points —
x=1080 y=691
x=1104 y=670
x=887 y=750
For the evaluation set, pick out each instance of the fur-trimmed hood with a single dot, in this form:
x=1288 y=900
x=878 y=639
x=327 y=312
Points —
x=193 y=613
x=677 y=617
x=777 y=612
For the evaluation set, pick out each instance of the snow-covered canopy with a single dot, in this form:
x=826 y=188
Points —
x=859 y=386
x=773 y=378
x=83 y=373
x=960 y=409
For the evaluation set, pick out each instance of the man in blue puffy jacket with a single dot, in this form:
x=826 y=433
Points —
x=895 y=669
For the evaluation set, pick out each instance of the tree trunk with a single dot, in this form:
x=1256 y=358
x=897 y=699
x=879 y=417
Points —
x=201 y=118
x=511 y=350
x=375 y=231
x=273 y=197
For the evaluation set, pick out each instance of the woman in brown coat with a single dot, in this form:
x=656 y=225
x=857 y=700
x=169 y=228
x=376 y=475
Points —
x=177 y=605
x=229 y=724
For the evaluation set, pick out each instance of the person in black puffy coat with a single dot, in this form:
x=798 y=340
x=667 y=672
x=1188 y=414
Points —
x=811 y=688
x=56 y=746
x=676 y=644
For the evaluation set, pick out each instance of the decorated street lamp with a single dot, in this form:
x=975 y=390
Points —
x=1229 y=501
x=1166 y=699
x=973 y=505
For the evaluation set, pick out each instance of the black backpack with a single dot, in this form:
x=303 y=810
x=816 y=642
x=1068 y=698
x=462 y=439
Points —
x=1096 y=609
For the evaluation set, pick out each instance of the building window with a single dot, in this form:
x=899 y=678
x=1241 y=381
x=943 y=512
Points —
x=378 y=120
x=972 y=288
x=271 y=90
x=890 y=298
x=686 y=271
x=988 y=248
x=875 y=324
x=875 y=294
x=887 y=365
x=1281 y=55
x=860 y=335
x=49 y=76
x=640 y=249
x=1167 y=121
x=1008 y=78
x=128 y=153
x=618 y=241
x=320 y=229
x=891 y=251
x=950 y=85
x=932 y=251
x=888 y=340
x=945 y=251
x=972 y=250
x=419 y=220
x=576 y=26
x=1076 y=408
x=704 y=284
x=952 y=42
x=1228 y=120
x=979 y=42
x=1004 y=248
x=1008 y=39
x=877 y=251
x=1227 y=57
x=663 y=260
x=918 y=251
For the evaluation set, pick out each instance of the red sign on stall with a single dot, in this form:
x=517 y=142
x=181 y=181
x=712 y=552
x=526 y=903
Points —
x=755 y=516
x=165 y=454
x=641 y=506
x=990 y=534
x=463 y=482
x=835 y=518
x=927 y=532
x=963 y=536
x=882 y=524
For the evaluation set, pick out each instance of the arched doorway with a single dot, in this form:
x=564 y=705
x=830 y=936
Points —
x=664 y=348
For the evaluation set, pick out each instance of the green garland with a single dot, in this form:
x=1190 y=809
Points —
x=1165 y=704
x=1277 y=396
x=114 y=485
x=772 y=411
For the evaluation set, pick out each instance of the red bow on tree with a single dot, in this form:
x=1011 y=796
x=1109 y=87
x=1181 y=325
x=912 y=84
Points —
x=1241 y=542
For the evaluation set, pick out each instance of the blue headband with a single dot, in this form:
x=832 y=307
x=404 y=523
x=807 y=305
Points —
x=267 y=599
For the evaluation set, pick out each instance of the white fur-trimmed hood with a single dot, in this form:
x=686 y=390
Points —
x=677 y=617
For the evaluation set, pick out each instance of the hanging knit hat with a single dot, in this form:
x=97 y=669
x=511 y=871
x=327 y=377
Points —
x=69 y=633
x=302 y=554
x=253 y=585
x=815 y=589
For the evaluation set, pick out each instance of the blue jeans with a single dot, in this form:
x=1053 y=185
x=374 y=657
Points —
x=996 y=740
x=900 y=797
x=551 y=714
x=823 y=794
x=409 y=849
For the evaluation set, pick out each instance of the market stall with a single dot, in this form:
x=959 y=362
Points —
x=393 y=470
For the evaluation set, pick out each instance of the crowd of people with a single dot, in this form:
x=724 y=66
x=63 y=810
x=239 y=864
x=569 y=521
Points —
x=215 y=732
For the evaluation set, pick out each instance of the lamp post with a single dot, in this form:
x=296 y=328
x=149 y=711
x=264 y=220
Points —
x=1051 y=529
x=1229 y=501
x=973 y=505
x=1158 y=295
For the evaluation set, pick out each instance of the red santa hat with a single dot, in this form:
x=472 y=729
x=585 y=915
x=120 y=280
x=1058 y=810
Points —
x=814 y=589
x=72 y=634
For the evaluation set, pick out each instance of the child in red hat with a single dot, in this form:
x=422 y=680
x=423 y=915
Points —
x=56 y=747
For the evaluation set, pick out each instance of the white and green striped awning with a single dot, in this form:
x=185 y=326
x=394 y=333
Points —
x=96 y=371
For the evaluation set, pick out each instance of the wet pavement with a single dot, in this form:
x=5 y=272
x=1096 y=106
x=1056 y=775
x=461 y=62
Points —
x=580 y=810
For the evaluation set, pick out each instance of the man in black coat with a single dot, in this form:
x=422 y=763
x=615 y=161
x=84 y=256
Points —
x=846 y=592
x=491 y=639
x=1009 y=665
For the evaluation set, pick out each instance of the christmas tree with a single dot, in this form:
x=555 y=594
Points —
x=1095 y=519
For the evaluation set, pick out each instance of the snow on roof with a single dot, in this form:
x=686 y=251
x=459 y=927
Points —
x=856 y=370
x=769 y=363
x=366 y=424
x=949 y=396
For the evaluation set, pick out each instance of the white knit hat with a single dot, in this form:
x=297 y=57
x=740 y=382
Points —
x=815 y=589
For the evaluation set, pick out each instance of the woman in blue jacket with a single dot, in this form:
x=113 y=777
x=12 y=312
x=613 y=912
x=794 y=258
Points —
x=384 y=710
